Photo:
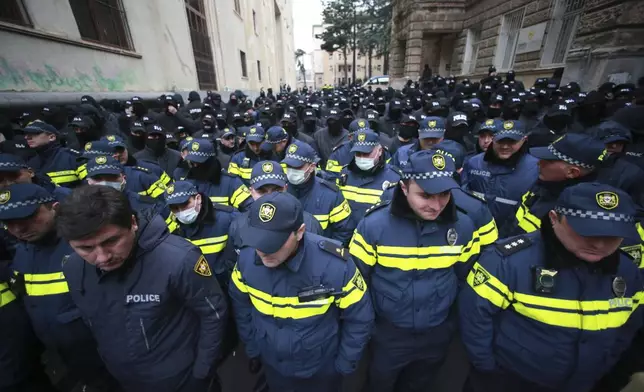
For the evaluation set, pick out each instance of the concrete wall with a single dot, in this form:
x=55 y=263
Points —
x=51 y=56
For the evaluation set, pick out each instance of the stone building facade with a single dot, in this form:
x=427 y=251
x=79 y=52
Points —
x=589 y=41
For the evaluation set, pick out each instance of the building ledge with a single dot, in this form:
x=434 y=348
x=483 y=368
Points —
x=31 y=32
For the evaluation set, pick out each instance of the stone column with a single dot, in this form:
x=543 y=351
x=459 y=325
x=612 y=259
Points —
x=397 y=58
x=413 y=54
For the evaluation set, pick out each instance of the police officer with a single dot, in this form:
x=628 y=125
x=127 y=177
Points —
x=485 y=135
x=552 y=310
x=53 y=160
x=319 y=197
x=342 y=155
x=156 y=151
x=268 y=177
x=503 y=174
x=14 y=170
x=431 y=133
x=242 y=163
x=412 y=251
x=363 y=180
x=300 y=303
x=129 y=275
x=38 y=281
x=210 y=179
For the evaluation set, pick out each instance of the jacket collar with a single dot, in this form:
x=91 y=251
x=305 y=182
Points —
x=400 y=207
x=491 y=157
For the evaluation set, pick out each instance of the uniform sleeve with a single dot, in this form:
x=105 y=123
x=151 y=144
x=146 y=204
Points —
x=488 y=291
x=333 y=167
x=487 y=230
x=233 y=167
x=200 y=291
x=395 y=159
x=357 y=319
x=153 y=186
x=240 y=198
x=340 y=219
x=465 y=179
x=243 y=311
x=363 y=249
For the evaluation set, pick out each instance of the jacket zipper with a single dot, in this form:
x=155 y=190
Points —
x=213 y=308
x=145 y=336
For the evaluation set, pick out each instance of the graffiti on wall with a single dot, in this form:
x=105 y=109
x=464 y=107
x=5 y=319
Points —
x=48 y=78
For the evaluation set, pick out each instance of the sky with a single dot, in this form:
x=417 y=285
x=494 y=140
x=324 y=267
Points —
x=306 y=13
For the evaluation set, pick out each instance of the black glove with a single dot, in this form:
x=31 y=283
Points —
x=254 y=365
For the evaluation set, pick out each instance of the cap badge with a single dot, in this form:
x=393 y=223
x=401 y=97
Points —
x=508 y=125
x=607 y=200
x=438 y=161
x=361 y=124
x=362 y=137
x=88 y=146
x=101 y=160
x=4 y=196
x=267 y=167
x=432 y=124
x=266 y=212
x=189 y=138
x=111 y=138
x=489 y=122
x=195 y=146
x=292 y=148
x=253 y=130
x=170 y=189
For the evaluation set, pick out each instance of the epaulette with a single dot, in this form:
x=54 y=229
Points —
x=342 y=181
x=377 y=206
x=396 y=170
x=388 y=185
x=140 y=168
x=474 y=196
x=75 y=152
x=340 y=145
x=633 y=253
x=512 y=245
x=329 y=185
x=222 y=207
x=334 y=249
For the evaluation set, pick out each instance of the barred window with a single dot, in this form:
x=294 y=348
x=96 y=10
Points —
x=13 y=11
x=201 y=47
x=102 y=21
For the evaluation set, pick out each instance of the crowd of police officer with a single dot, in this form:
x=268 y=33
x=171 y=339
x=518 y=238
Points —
x=325 y=228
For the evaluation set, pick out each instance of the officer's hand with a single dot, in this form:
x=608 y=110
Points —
x=254 y=365
x=172 y=110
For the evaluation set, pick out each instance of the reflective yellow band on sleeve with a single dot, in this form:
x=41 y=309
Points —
x=171 y=222
x=239 y=196
x=211 y=245
x=223 y=200
x=333 y=166
x=6 y=296
x=165 y=179
x=245 y=173
x=238 y=281
x=526 y=221
x=362 y=250
x=489 y=287
x=488 y=233
x=233 y=169
x=353 y=291
x=323 y=219
x=341 y=212
x=63 y=177
x=361 y=195
x=82 y=170
x=46 y=284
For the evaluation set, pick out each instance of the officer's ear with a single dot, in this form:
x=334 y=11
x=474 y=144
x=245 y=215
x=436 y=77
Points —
x=573 y=172
x=54 y=206
x=135 y=224
x=300 y=232
x=554 y=217
x=404 y=188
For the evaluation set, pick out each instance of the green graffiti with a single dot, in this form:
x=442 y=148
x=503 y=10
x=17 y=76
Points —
x=47 y=78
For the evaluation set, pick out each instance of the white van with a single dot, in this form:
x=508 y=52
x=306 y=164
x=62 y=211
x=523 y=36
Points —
x=377 y=81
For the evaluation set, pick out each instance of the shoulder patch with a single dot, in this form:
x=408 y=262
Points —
x=474 y=196
x=140 y=168
x=329 y=185
x=222 y=207
x=633 y=253
x=377 y=206
x=512 y=245
x=334 y=249
x=340 y=145
x=74 y=152
x=202 y=268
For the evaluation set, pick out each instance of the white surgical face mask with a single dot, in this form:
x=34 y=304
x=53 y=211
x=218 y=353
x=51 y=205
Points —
x=365 y=163
x=187 y=216
x=119 y=186
x=296 y=176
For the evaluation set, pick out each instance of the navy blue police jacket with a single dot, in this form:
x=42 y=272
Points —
x=501 y=186
x=565 y=338
x=342 y=156
x=324 y=200
x=413 y=266
x=59 y=163
x=160 y=316
x=230 y=191
x=241 y=165
x=295 y=338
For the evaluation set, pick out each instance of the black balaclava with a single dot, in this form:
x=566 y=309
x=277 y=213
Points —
x=233 y=100
x=216 y=100
x=494 y=112
x=309 y=125
x=531 y=107
x=138 y=140
x=346 y=120
x=157 y=146
x=511 y=112
x=139 y=109
x=210 y=171
x=334 y=125
x=408 y=130
x=395 y=112
x=88 y=135
x=207 y=123
x=290 y=127
x=557 y=123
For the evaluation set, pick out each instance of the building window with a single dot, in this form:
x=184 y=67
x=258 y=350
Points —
x=330 y=56
x=201 y=48
x=508 y=38
x=339 y=56
x=102 y=21
x=13 y=11
x=255 y=22
x=379 y=67
x=561 y=30
x=471 y=50
x=242 y=58
x=237 y=6
x=259 y=70
x=331 y=68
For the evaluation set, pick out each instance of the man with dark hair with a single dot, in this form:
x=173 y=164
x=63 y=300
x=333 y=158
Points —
x=130 y=275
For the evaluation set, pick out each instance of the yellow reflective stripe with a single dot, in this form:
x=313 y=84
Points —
x=340 y=212
x=640 y=230
x=245 y=173
x=527 y=222
x=220 y=200
x=362 y=250
x=45 y=284
x=489 y=288
x=284 y=167
x=6 y=296
x=171 y=223
x=239 y=196
x=233 y=169
x=281 y=307
x=424 y=251
x=165 y=179
x=63 y=177
x=361 y=195
x=211 y=245
x=354 y=291
x=82 y=170
x=333 y=166
x=488 y=233
x=324 y=220
x=613 y=313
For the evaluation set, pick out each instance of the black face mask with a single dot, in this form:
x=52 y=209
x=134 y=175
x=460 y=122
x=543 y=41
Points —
x=335 y=127
x=138 y=141
x=207 y=125
x=408 y=131
x=374 y=125
x=493 y=112
x=139 y=110
x=291 y=129
x=88 y=135
x=557 y=123
x=511 y=113
x=266 y=122
x=309 y=126
x=221 y=124
x=531 y=109
x=591 y=115
x=395 y=114
x=346 y=121
x=280 y=111
x=157 y=146
x=381 y=107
